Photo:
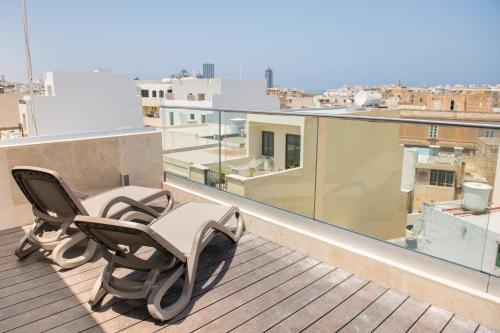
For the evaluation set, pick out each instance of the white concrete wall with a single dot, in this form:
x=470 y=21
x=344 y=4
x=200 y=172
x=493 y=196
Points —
x=183 y=87
x=453 y=238
x=151 y=86
x=245 y=94
x=85 y=102
x=219 y=93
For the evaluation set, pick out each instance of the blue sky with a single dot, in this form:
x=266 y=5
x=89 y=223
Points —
x=309 y=44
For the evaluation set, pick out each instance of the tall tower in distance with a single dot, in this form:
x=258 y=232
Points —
x=208 y=71
x=269 y=77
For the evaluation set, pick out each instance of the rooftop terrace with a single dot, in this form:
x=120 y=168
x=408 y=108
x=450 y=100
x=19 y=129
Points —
x=317 y=255
x=254 y=286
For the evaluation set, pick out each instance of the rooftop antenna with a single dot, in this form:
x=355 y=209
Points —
x=28 y=64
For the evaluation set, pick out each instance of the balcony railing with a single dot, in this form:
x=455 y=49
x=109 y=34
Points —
x=377 y=176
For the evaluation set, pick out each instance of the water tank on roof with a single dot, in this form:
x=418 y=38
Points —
x=367 y=98
x=476 y=196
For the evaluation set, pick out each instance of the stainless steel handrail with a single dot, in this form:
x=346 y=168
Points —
x=321 y=113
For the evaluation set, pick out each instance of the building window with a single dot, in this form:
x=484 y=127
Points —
x=292 y=153
x=268 y=144
x=153 y=93
x=489 y=133
x=191 y=116
x=497 y=263
x=171 y=116
x=162 y=93
x=433 y=132
x=144 y=93
x=201 y=97
x=203 y=119
x=452 y=105
x=442 y=178
x=169 y=91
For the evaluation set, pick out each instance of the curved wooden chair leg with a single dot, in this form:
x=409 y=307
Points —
x=67 y=244
x=25 y=248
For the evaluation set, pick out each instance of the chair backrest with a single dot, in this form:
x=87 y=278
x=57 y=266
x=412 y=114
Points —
x=47 y=192
x=117 y=235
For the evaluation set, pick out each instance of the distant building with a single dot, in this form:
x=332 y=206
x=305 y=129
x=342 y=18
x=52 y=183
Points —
x=269 y=77
x=9 y=115
x=292 y=98
x=208 y=71
x=214 y=93
x=152 y=93
x=452 y=99
x=78 y=102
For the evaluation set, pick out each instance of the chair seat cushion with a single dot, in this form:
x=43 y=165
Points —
x=180 y=225
x=95 y=203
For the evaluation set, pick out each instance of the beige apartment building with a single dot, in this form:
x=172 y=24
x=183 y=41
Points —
x=292 y=98
x=455 y=99
x=438 y=178
x=343 y=177
x=10 y=123
x=9 y=109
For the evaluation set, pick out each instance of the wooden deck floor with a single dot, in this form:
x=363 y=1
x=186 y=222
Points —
x=253 y=286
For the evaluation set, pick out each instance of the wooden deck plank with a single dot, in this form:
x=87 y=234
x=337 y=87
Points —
x=7 y=231
x=294 y=303
x=144 y=254
x=483 y=329
x=65 y=314
x=46 y=300
x=33 y=266
x=322 y=305
x=236 y=270
x=198 y=316
x=376 y=313
x=50 y=314
x=13 y=261
x=108 y=313
x=260 y=304
x=404 y=317
x=13 y=237
x=55 y=308
x=345 y=312
x=433 y=320
x=210 y=297
x=52 y=282
x=50 y=287
x=459 y=324
x=48 y=278
x=254 y=286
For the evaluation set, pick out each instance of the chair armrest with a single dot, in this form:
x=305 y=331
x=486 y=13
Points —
x=131 y=202
x=138 y=217
x=80 y=195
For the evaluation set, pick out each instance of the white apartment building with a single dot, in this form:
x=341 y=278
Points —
x=152 y=93
x=77 y=102
x=221 y=93
x=335 y=97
